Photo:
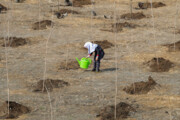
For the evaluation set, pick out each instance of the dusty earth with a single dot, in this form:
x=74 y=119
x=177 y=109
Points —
x=48 y=85
x=3 y=8
x=128 y=16
x=52 y=50
x=159 y=65
x=15 y=110
x=42 y=25
x=14 y=42
x=148 y=5
x=105 y=44
x=141 y=87
x=123 y=110
x=118 y=27
x=174 y=46
x=80 y=3
x=63 y=11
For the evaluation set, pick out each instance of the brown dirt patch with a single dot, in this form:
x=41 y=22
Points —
x=177 y=31
x=20 y=1
x=159 y=65
x=122 y=110
x=173 y=47
x=15 y=110
x=148 y=5
x=104 y=44
x=42 y=25
x=14 y=42
x=49 y=84
x=63 y=11
x=141 y=87
x=118 y=27
x=70 y=65
x=3 y=8
x=128 y=16
x=80 y=3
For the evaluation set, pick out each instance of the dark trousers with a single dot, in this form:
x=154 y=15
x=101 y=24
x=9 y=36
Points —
x=97 y=63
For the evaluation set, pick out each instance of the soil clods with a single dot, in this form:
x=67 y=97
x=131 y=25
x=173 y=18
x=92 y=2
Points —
x=174 y=47
x=19 y=1
x=63 y=11
x=69 y=65
x=104 y=44
x=141 y=87
x=42 y=25
x=14 y=42
x=48 y=85
x=128 y=16
x=2 y=7
x=119 y=26
x=148 y=5
x=80 y=3
x=159 y=65
x=122 y=111
x=15 y=110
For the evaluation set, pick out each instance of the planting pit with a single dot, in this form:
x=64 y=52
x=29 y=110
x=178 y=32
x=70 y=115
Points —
x=14 y=42
x=20 y=1
x=80 y=3
x=104 y=44
x=3 y=8
x=159 y=65
x=141 y=87
x=118 y=27
x=129 y=16
x=122 y=111
x=63 y=11
x=48 y=85
x=15 y=110
x=173 y=47
x=70 y=65
x=148 y=5
x=42 y=25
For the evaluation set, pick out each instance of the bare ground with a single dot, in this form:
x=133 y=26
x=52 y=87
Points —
x=88 y=92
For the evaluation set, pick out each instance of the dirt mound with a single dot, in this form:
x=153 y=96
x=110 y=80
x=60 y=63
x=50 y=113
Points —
x=118 y=27
x=3 y=8
x=159 y=65
x=20 y=1
x=63 y=11
x=177 y=31
x=141 y=87
x=15 y=110
x=122 y=111
x=71 y=64
x=148 y=5
x=42 y=25
x=128 y=16
x=49 y=84
x=15 y=42
x=174 y=46
x=104 y=44
x=80 y=3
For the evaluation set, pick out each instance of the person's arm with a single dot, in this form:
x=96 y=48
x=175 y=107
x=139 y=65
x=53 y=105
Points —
x=97 y=56
x=89 y=55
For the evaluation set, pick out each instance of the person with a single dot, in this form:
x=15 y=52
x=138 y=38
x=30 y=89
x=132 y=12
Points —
x=99 y=54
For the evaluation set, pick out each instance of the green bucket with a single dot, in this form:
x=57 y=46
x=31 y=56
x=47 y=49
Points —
x=84 y=63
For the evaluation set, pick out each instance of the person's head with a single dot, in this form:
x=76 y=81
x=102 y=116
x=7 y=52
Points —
x=87 y=45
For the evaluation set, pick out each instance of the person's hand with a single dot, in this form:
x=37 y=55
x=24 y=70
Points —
x=87 y=56
x=96 y=58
